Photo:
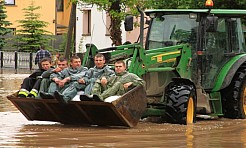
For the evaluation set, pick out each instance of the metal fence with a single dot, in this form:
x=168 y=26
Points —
x=17 y=60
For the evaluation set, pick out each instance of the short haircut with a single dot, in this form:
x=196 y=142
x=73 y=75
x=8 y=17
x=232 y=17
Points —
x=99 y=55
x=120 y=62
x=45 y=59
x=74 y=57
x=42 y=46
x=62 y=59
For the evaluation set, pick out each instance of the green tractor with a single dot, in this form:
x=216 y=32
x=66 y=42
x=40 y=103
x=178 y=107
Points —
x=193 y=62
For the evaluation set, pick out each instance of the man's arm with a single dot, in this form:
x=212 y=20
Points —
x=132 y=80
x=76 y=77
x=47 y=73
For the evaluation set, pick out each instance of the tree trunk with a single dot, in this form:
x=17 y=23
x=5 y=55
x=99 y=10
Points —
x=70 y=31
x=115 y=31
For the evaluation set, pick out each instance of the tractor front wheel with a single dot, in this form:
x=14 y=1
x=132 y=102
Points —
x=180 y=104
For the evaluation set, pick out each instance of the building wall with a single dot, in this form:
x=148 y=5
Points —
x=47 y=13
x=98 y=29
x=63 y=17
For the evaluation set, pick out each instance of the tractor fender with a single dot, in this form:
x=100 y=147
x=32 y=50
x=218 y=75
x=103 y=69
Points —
x=228 y=71
x=181 y=81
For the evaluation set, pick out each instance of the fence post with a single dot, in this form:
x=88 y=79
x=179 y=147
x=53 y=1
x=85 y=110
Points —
x=30 y=63
x=1 y=59
x=16 y=60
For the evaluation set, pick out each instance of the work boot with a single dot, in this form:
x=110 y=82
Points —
x=59 y=97
x=85 y=98
x=45 y=95
x=22 y=93
x=30 y=96
x=21 y=96
x=97 y=98
x=33 y=93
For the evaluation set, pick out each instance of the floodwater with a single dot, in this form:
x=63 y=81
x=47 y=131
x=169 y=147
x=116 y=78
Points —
x=17 y=131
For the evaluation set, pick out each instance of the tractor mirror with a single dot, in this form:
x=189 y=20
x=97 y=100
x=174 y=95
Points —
x=128 y=23
x=147 y=22
x=211 y=23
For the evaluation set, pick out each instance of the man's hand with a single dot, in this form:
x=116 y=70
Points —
x=104 y=81
x=58 y=69
x=64 y=81
x=81 y=81
x=56 y=80
x=126 y=85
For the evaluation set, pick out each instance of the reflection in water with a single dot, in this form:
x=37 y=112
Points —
x=16 y=131
x=189 y=136
x=9 y=83
x=243 y=135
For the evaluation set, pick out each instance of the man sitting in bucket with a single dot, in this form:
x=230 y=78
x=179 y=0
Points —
x=117 y=85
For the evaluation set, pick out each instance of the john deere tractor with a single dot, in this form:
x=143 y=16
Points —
x=193 y=62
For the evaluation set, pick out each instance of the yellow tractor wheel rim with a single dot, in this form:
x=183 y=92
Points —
x=190 y=111
x=244 y=100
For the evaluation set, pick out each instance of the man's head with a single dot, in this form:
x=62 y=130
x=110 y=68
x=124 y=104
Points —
x=62 y=63
x=99 y=60
x=119 y=66
x=75 y=62
x=42 y=47
x=45 y=63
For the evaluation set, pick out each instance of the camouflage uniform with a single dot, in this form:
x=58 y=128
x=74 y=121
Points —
x=70 y=89
x=94 y=74
x=115 y=85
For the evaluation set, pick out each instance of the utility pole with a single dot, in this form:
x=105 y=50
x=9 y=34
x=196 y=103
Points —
x=70 y=31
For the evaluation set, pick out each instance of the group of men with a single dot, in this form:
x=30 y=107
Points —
x=64 y=82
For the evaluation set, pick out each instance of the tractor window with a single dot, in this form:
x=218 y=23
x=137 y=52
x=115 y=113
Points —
x=168 y=30
x=227 y=39
x=217 y=41
x=237 y=42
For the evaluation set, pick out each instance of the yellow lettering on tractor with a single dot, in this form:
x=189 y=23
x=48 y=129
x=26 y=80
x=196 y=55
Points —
x=158 y=57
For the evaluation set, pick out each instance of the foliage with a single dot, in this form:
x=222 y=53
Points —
x=32 y=33
x=3 y=24
x=62 y=46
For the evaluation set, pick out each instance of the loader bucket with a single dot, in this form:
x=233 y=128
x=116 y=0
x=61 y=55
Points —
x=124 y=111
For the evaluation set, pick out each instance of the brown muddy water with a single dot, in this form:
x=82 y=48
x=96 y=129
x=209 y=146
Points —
x=17 y=131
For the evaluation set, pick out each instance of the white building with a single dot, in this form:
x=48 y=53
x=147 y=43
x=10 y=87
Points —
x=91 y=27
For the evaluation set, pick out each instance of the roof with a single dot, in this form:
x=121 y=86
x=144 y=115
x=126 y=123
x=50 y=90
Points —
x=213 y=11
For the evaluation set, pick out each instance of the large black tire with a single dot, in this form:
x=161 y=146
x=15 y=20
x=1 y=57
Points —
x=180 y=104
x=234 y=96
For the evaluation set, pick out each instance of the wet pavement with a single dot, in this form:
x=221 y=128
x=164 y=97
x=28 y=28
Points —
x=17 y=131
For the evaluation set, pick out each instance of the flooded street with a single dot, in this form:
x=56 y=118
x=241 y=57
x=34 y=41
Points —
x=17 y=131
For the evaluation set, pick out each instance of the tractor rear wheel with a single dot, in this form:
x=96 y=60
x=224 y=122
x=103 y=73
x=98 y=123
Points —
x=234 y=97
x=180 y=104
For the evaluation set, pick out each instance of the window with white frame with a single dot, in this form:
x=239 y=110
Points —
x=9 y=2
x=86 y=22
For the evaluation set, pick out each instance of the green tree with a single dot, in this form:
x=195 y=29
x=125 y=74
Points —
x=3 y=24
x=32 y=33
